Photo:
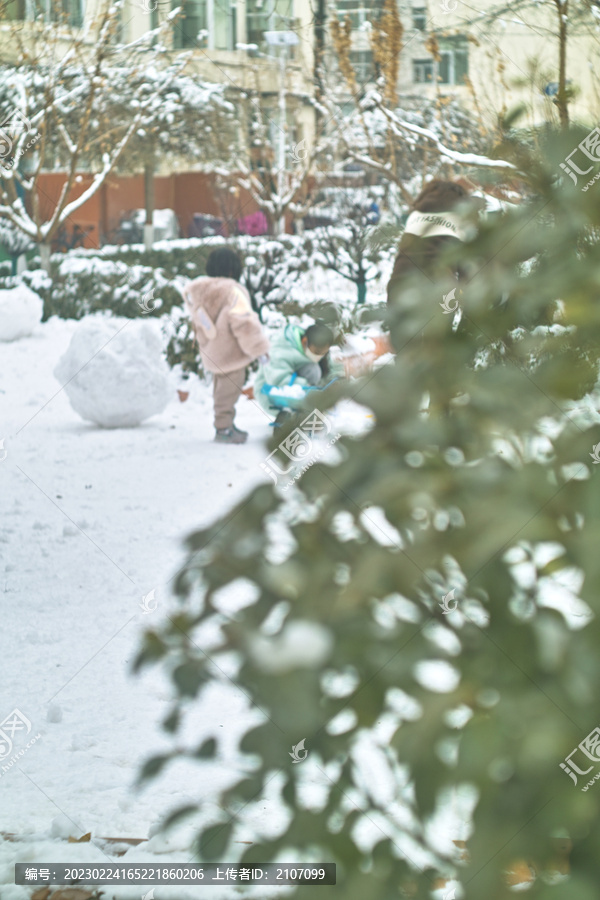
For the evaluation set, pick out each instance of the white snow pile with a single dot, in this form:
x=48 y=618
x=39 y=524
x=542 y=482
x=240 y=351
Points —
x=20 y=311
x=288 y=390
x=164 y=221
x=114 y=373
x=356 y=343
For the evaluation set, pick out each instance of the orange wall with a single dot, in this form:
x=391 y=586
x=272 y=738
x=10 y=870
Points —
x=186 y=193
x=49 y=189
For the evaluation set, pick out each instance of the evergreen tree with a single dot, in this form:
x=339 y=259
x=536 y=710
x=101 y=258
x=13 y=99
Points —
x=421 y=610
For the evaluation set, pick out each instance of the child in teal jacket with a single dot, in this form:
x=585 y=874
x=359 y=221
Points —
x=297 y=357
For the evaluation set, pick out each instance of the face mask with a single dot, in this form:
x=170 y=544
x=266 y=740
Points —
x=314 y=357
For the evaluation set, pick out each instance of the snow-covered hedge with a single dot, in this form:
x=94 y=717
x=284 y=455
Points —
x=77 y=287
x=186 y=257
x=270 y=265
x=131 y=281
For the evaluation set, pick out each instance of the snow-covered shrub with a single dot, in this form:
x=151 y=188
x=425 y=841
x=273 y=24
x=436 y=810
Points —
x=132 y=282
x=118 y=278
x=13 y=241
x=271 y=266
x=82 y=286
x=20 y=311
x=185 y=257
x=354 y=247
x=114 y=373
x=79 y=286
x=342 y=319
x=182 y=350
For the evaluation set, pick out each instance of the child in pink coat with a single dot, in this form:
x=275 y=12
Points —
x=229 y=335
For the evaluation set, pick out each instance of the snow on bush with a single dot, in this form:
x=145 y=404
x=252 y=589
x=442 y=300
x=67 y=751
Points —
x=114 y=373
x=78 y=286
x=20 y=311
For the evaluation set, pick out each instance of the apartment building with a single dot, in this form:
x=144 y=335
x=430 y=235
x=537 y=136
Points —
x=486 y=53
x=227 y=41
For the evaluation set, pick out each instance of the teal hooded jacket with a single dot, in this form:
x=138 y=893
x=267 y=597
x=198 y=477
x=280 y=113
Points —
x=287 y=356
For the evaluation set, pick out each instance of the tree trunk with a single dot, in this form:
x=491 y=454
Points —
x=149 y=203
x=279 y=226
x=45 y=256
x=361 y=287
x=319 y=51
x=562 y=100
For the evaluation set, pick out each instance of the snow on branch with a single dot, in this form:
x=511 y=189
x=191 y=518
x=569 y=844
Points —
x=399 y=126
x=71 y=147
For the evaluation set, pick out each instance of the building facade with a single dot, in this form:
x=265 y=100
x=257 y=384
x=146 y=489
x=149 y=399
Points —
x=226 y=41
x=485 y=55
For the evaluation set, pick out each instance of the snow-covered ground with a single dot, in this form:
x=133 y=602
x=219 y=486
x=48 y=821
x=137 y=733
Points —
x=90 y=542
x=92 y=521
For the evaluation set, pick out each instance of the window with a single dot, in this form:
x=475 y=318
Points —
x=268 y=15
x=189 y=24
x=205 y=23
x=359 y=12
x=362 y=61
x=69 y=12
x=223 y=31
x=454 y=63
x=453 y=67
x=419 y=18
x=422 y=71
x=13 y=10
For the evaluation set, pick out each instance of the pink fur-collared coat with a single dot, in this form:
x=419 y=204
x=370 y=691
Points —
x=227 y=329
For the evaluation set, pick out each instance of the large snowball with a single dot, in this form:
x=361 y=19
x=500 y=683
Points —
x=20 y=311
x=114 y=373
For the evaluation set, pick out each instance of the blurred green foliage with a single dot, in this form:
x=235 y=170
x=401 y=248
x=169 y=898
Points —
x=479 y=460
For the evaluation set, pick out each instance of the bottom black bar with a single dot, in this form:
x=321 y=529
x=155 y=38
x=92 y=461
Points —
x=175 y=873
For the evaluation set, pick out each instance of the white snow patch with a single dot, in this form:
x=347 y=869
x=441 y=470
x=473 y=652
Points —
x=340 y=684
x=301 y=645
x=20 y=311
x=373 y=773
x=345 y=721
x=437 y=675
x=288 y=390
x=452 y=817
x=356 y=343
x=560 y=591
x=373 y=520
x=351 y=418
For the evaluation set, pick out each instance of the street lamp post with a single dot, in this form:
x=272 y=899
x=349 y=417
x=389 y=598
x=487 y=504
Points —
x=283 y=40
